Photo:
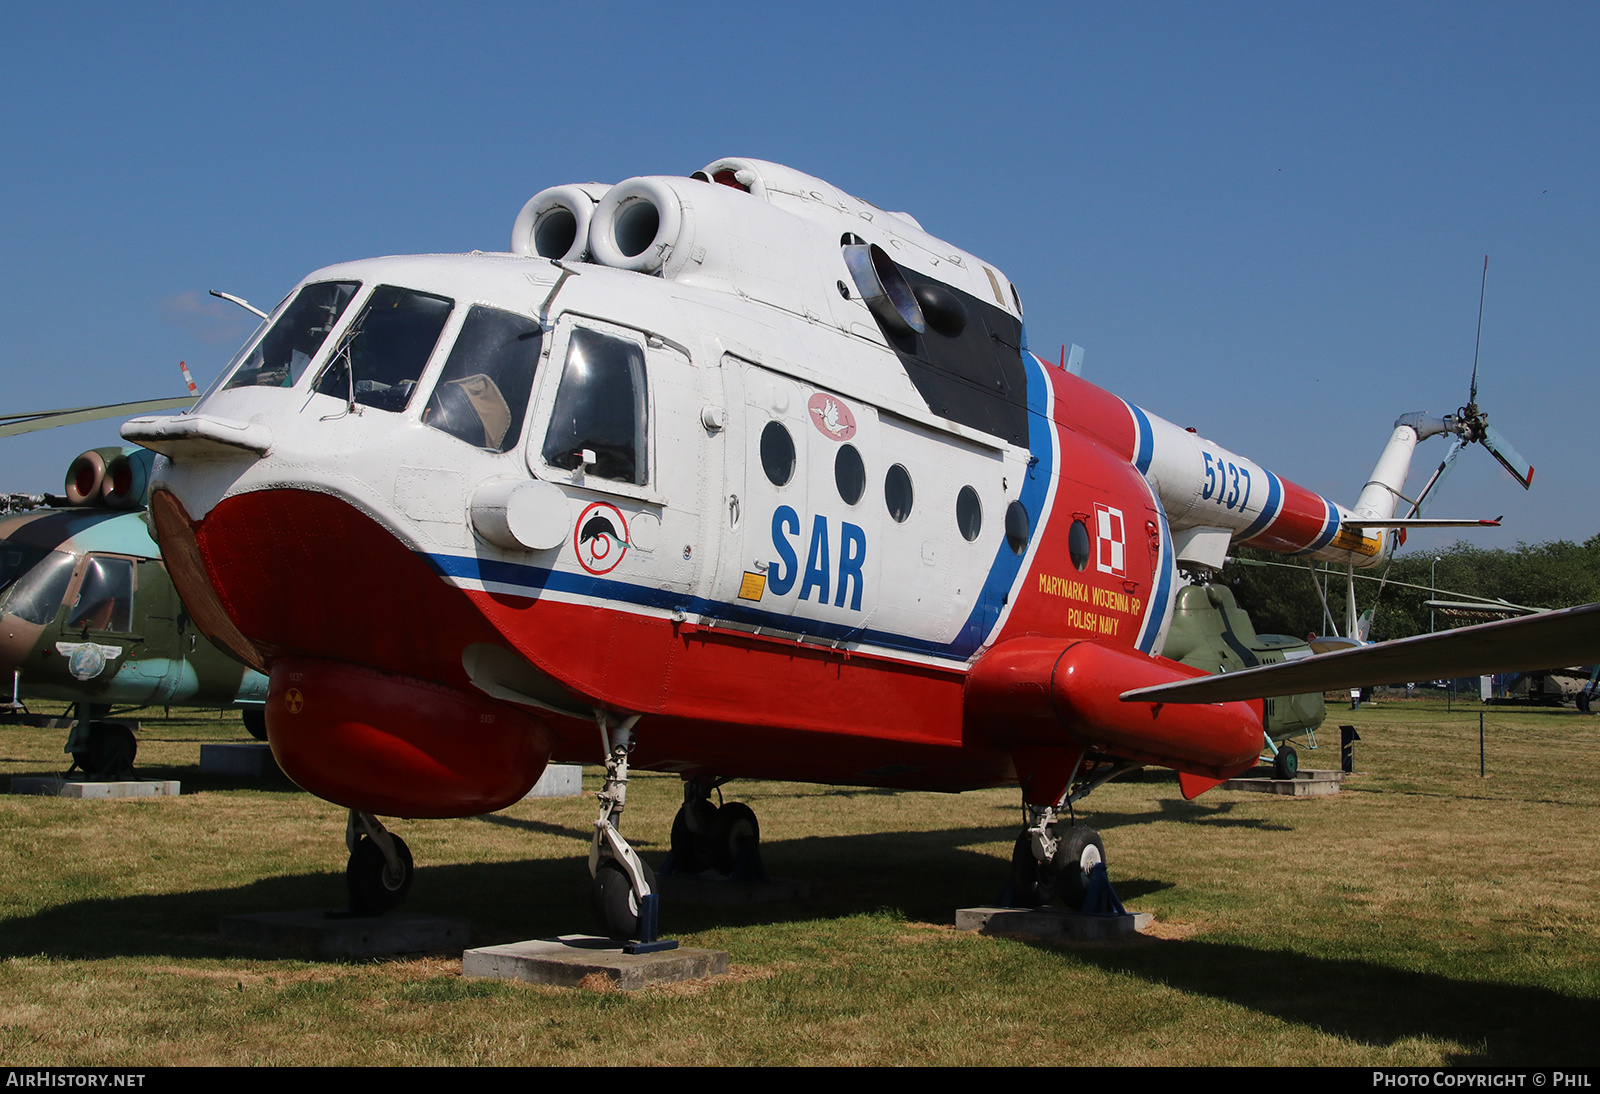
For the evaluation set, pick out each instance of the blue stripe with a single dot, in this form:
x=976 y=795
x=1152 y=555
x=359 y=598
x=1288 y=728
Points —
x=1329 y=530
x=1146 y=450
x=1157 y=613
x=1269 y=511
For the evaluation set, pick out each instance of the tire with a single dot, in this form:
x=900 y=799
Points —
x=734 y=830
x=1026 y=888
x=1076 y=853
x=110 y=753
x=255 y=720
x=616 y=909
x=1286 y=763
x=688 y=849
x=373 y=889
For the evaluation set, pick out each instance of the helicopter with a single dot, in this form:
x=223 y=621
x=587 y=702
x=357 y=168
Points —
x=732 y=475
x=89 y=616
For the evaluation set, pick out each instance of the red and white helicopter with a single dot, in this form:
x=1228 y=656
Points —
x=734 y=476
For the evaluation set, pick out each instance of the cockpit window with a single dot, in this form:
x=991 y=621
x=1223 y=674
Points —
x=381 y=356
x=105 y=598
x=482 y=393
x=34 y=591
x=279 y=359
x=600 y=409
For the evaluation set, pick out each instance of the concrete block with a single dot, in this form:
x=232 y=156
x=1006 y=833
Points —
x=1305 y=784
x=340 y=934
x=245 y=760
x=713 y=891
x=1051 y=923
x=558 y=781
x=55 y=787
x=567 y=960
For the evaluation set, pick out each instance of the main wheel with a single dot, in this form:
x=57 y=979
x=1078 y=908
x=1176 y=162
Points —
x=689 y=849
x=255 y=720
x=374 y=887
x=1077 y=852
x=734 y=830
x=110 y=753
x=616 y=907
x=1027 y=888
x=1286 y=763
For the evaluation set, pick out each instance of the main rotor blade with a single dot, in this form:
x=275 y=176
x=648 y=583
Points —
x=1509 y=458
x=49 y=419
x=1546 y=640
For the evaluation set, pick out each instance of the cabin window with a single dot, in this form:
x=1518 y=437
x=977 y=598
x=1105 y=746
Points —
x=969 y=513
x=482 y=393
x=1078 y=544
x=279 y=359
x=600 y=409
x=381 y=356
x=849 y=474
x=897 y=493
x=105 y=597
x=38 y=586
x=1017 y=529
x=777 y=454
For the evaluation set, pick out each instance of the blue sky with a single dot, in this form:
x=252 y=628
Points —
x=1265 y=221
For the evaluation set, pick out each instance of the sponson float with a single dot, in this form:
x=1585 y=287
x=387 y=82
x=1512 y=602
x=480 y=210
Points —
x=734 y=476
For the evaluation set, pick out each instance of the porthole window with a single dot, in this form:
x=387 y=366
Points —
x=1017 y=527
x=897 y=493
x=849 y=474
x=969 y=513
x=1078 y=545
x=777 y=453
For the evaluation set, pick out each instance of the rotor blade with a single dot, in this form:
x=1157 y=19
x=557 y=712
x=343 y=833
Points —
x=49 y=419
x=1509 y=458
x=1446 y=465
x=1424 y=522
x=1569 y=637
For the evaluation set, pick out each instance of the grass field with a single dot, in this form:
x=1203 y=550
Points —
x=1424 y=916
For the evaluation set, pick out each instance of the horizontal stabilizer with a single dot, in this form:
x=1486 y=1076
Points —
x=1568 y=637
x=1420 y=522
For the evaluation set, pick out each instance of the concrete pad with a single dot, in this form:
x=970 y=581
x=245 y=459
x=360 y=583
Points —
x=246 y=760
x=1051 y=923
x=1305 y=784
x=558 y=781
x=567 y=960
x=55 y=787
x=339 y=934
x=713 y=891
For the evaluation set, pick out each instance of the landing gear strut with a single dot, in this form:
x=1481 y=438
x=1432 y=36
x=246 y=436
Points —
x=1045 y=866
x=624 y=889
x=379 y=872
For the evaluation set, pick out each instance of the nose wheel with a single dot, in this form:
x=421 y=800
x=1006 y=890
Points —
x=379 y=872
x=623 y=891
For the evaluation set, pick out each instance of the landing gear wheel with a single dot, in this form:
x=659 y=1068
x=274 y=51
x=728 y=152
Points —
x=1076 y=854
x=255 y=720
x=734 y=830
x=616 y=907
x=689 y=849
x=1286 y=763
x=110 y=752
x=1027 y=890
x=374 y=888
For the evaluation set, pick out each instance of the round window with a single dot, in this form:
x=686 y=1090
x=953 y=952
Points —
x=849 y=474
x=1017 y=527
x=777 y=453
x=1078 y=544
x=969 y=513
x=897 y=493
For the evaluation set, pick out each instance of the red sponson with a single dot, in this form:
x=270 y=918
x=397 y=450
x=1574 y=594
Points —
x=398 y=746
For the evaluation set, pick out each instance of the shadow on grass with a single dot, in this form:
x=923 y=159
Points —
x=1368 y=1003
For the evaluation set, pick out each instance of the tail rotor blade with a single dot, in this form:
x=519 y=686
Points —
x=1509 y=458
x=1446 y=465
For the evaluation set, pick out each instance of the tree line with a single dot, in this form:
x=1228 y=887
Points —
x=1282 y=599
